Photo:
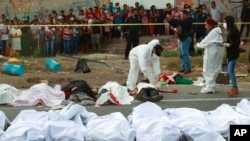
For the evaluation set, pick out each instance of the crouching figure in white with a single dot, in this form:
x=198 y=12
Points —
x=213 y=55
x=145 y=57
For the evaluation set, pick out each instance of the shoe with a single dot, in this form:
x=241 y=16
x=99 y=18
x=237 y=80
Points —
x=187 y=71
x=206 y=90
x=233 y=92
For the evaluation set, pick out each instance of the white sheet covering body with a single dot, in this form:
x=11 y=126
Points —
x=193 y=123
x=40 y=93
x=115 y=93
x=151 y=124
x=223 y=116
x=4 y=122
x=8 y=93
x=65 y=125
x=112 y=127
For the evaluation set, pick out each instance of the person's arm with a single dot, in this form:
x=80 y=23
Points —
x=166 y=90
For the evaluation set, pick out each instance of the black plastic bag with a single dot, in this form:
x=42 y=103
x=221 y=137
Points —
x=82 y=66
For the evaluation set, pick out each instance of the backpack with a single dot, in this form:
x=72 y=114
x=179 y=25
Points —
x=82 y=66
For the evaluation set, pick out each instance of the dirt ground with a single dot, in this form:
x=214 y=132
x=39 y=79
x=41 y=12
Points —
x=117 y=70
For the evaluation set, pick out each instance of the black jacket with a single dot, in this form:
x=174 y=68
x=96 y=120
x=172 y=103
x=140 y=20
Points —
x=233 y=38
x=132 y=29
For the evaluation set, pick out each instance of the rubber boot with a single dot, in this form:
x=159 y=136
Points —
x=233 y=92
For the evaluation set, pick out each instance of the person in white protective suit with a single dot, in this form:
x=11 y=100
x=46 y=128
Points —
x=144 y=58
x=213 y=55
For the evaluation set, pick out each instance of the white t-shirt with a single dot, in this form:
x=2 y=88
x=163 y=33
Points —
x=215 y=13
x=5 y=32
x=34 y=29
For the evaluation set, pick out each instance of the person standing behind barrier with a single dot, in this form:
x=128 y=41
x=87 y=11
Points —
x=133 y=32
x=245 y=17
x=213 y=55
x=233 y=51
x=184 y=27
x=35 y=31
x=86 y=39
x=67 y=34
x=96 y=34
x=75 y=37
x=154 y=15
x=215 y=12
x=144 y=19
x=4 y=36
x=15 y=34
x=200 y=29
x=49 y=41
x=167 y=11
x=118 y=19
x=58 y=40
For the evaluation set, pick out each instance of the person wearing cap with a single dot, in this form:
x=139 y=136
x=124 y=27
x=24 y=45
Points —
x=183 y=30
x=213 y=55
x=144 y=58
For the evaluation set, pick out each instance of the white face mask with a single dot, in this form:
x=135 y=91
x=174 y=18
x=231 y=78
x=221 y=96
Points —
x=225 y=25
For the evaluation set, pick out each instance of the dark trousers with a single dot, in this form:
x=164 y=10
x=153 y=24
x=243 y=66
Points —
x=4 y=44
x=243 y=26
x=191 y=46
x=131 y=40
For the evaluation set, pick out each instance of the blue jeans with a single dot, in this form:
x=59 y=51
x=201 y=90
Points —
x=75 y=45
x=184 y=53
x=49 y=48
x=230 y=69
x=67 y=47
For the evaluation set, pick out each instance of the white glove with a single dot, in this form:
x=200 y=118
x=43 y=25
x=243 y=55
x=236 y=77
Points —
x=226 y=44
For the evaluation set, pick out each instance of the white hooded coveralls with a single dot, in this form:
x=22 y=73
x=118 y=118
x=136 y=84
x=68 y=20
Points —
x=142 y=58
x=213 y=57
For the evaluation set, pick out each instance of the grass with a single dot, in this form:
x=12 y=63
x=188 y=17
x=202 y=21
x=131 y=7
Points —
x=167 y=53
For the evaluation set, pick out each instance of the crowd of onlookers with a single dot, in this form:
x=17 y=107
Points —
x=74 y=31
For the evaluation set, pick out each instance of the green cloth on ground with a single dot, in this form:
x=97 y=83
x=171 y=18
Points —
x=183 y=81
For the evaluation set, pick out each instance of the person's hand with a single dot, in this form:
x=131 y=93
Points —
x=226 y=44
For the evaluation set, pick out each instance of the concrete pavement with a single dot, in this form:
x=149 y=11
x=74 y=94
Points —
x=187 y=96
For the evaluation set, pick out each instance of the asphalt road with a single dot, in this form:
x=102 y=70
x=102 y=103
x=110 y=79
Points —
x=187 y=96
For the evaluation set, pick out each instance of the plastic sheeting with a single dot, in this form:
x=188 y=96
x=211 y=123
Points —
x=40 y=93
x=113 y=127
x=115 y=93
x=8 y=93
x=147 y=122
